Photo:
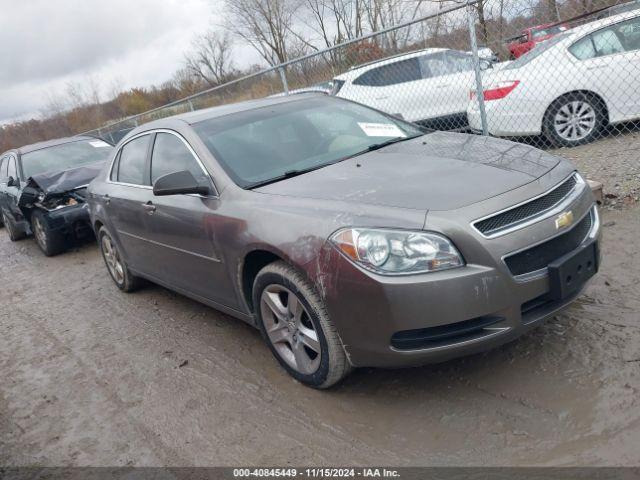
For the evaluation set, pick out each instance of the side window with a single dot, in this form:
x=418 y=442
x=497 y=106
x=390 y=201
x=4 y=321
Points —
x=459 y=62
x=133 y=156
x=171 y=155
x=435 y=64
x=398 y=72
x=3 y=168
x=629 y=33
x=11 y=168
x=607 y=42
x=583 y=49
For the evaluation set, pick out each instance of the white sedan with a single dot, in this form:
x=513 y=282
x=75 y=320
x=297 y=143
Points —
x=569 y=87
x=429 y=86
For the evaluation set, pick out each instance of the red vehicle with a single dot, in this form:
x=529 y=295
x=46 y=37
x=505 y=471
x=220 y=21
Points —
x=530 y=37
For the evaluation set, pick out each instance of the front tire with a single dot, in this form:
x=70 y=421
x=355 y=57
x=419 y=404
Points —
x=295 y=324
x=113 y=259
x=50 y=242
x=574 y=119
x=15 y=234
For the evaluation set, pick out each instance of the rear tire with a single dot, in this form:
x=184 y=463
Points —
x=295 y=324
x=116 y=266
x=574 y=119
x=12 y=230
x=50 y=242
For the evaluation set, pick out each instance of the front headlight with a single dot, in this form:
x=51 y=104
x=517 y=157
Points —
x=394 y=252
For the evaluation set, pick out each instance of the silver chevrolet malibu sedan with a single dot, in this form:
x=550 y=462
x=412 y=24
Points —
x=347 y=236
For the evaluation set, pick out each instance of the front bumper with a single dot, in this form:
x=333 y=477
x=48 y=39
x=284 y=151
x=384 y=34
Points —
x=475 y=307
x=71 y=220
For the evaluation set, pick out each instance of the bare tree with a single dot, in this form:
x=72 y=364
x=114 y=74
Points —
x=335 y=21
x=211 y=59
x=266 y=25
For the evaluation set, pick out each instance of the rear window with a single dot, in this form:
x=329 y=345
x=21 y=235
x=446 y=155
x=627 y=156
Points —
x=65 y=157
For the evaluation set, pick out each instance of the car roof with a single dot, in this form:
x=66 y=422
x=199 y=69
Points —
x=228 y=109
x=603 y=22
x=386 y=61
x=46 y=144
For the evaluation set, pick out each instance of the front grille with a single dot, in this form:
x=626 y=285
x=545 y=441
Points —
x=538 y=257
x=443 y=335
x=528 y=210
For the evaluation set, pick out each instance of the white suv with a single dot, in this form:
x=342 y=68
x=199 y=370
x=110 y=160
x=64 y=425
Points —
x=429 y=87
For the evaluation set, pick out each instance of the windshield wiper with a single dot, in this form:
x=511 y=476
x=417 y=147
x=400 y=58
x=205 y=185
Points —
x=285 y=175
x=302 y=171
x=386 y=143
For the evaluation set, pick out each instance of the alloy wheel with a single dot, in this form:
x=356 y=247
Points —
x=112 y=259
x=290 y=329
x=575 y=120
x=40 y=232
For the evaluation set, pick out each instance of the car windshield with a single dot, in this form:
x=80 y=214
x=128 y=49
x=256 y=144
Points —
x=538 y=50
x=65 y=156
x=270 y=143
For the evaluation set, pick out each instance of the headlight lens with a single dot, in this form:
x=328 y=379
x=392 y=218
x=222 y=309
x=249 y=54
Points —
x=393 y=252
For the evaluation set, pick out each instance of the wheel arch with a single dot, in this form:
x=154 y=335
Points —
x=252 y=262
x=587 y=92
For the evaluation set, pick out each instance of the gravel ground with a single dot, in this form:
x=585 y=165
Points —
x=614 y=161
x=92 y=376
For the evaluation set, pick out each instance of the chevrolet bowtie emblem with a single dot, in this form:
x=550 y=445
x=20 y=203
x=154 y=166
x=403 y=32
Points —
x=564 y=220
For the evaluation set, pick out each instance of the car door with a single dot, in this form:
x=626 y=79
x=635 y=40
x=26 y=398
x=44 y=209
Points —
x=404 y=90
x=610 y=58
x=184 y=239
x=451 y=78
x=127 y=202
x=624 y=69
x=458 y=81
x=388 y=88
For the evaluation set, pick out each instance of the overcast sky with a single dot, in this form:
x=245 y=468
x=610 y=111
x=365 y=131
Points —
x=44 y=44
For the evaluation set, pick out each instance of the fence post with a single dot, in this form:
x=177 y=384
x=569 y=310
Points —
x=476 y=67
x=190 y=105
x=283 y=77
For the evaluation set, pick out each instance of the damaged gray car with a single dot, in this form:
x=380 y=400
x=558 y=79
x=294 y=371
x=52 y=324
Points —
x=43 y=190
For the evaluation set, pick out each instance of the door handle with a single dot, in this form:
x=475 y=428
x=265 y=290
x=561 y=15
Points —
x=106 y=199
x=381 y=98
x=149 y=207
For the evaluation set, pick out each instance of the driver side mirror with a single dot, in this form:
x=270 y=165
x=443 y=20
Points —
x=13 y=182
x=179 y=183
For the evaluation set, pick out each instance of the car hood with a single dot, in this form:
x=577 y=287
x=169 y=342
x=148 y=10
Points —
x=438 y=171
x=52 y=183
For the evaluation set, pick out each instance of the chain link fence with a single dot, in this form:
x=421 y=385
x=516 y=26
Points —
x=548 y=73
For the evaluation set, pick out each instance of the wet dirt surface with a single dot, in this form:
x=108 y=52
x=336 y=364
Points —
x=92 y=376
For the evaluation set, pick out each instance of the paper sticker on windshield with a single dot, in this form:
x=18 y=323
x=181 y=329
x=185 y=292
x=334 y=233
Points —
x=99 y=144
x=381 y=130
